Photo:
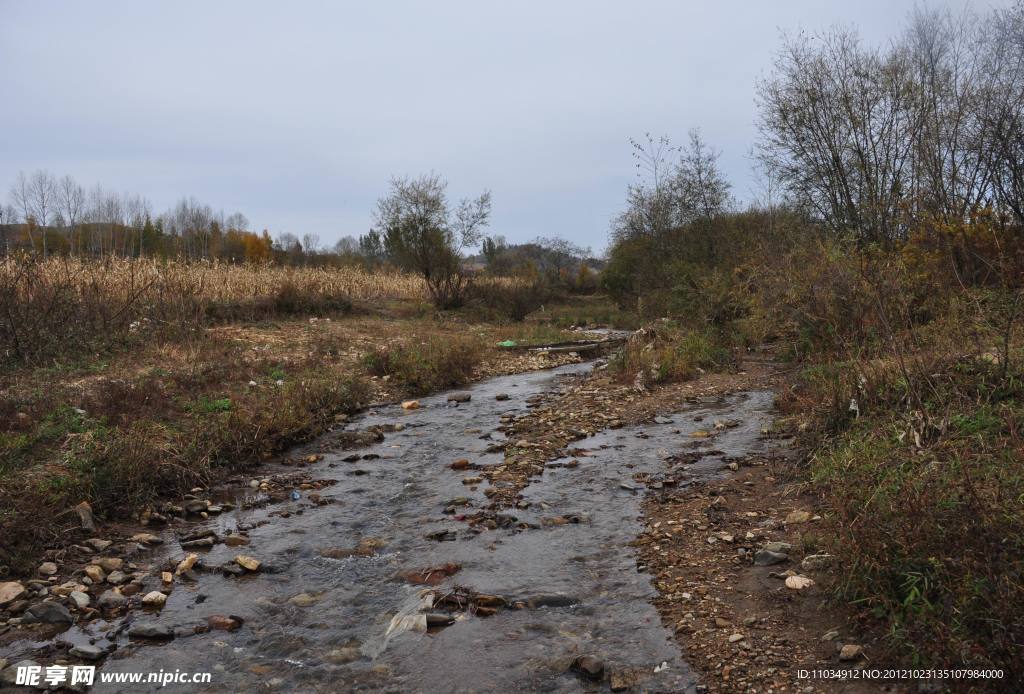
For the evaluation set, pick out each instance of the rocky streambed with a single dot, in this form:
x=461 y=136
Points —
x=390 y=568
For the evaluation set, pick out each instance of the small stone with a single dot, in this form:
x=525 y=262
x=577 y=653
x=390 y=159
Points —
x=798 y=582
x=766 y=557
x=109 y=564
x=166 y=577
x=850 y=652
x=80 y=599
x=85 y=517
x=722 y=623
x=590 y=666
x=411 y=405
x=830 y=635
x=816 y=562
x=303 y=600
x=236 y=540
x=111 y=599
x=146 y=539
x=248 y=563
x=47 y=568
x=87 y=651
x=154 y=599
x=186 y=564
x=733 y=638
x=780 y=547
x=149 y=630
x=224 y=623
x=460 y=464
x=460 y=397
x=98 y=544
x=798 y=517
x=116 y=578
x=501 y=397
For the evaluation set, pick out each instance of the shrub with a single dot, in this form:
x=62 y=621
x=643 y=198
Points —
x=423 y=367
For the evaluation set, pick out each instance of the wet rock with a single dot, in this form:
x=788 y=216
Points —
x=87 y=651
x=10 y=591
x=131 y=589
x=151 y=630
x=236 y=540
x=186 y=564
x=850 y=652
x=501 y=397
x=224 y=623
x=85 y=517
x=47 y=568
x=555 y=600
x=303 y=600
x=248 y=563
x=201 y=543
x=662 y=420
x=80 y=599
x=411 y=405
x=98 y=544
x=147 y=539
x=196 y=506
x=460 y=397
x=166 y=577
x=344 y=655
x=111 y=599
x=441 y=535
x=589 y=666
x=766 y=557
x=154 y=599
x=48 y=613
x=460 y=464
x=232 y=569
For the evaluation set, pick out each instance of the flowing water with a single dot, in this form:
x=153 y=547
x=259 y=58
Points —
x=578 y=579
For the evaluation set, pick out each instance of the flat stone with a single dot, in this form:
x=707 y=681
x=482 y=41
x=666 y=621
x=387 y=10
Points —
x=109 y=564
x=98 y=544
x=150 y=630
x=236 y=540
x=778 y=547
x=116 y=578
x=816 y=562
x=87 y=651
x=147 y=539
x=80 y=599
x=48 y=612
x=460 y=397
x=303 y=600
x=47 y=568
x=9 y=675
x=766 y=557
x=10 y=591
x=798 y=517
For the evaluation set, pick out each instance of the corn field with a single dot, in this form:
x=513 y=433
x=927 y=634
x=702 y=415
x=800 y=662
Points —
x=60 y=305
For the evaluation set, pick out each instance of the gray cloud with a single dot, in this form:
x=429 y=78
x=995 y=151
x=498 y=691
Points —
x=298 y=113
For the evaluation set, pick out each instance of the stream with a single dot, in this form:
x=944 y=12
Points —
x=570 y=587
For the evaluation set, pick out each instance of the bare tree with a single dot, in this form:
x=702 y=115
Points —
x=422 y=233
x=71 y=205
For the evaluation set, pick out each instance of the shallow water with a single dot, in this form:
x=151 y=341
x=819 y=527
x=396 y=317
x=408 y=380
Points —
x=339 y=643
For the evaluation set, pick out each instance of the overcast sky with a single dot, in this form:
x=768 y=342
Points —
x=298 y=113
